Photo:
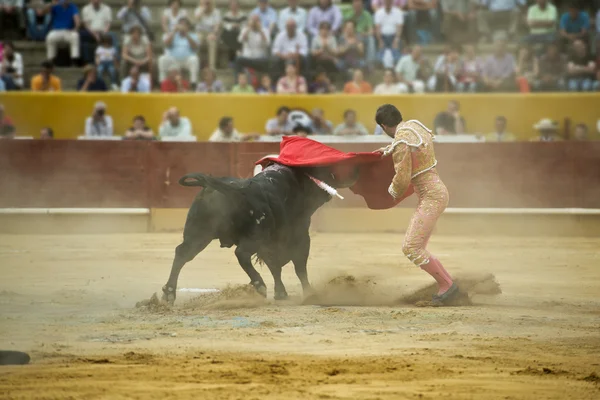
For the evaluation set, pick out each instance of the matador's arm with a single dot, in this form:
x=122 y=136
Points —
x=403 y=167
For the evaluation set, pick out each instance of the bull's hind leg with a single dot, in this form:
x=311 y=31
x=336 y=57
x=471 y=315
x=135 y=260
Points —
x=245 y=259
x=184 y=253
x=300 y=259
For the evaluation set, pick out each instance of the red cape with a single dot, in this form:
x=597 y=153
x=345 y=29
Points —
x=375 y=172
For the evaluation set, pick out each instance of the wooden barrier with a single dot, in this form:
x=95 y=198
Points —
x=144 y=174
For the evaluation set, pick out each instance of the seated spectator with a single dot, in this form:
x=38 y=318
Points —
x=208 y=26
x=541 y=20
x=11 y=12
x=446 y=71
x=174 y=82
x=210 y=83
x=172 y=16
x=324 y=49
x=175 y=126
x=2 y=86
x=281 y=124
x=548 y=131
x=226 y=132
x=267 y=15
x=233 y=20
x=292 y=11
x=364 y=27
x=574 y=25
x=503 y=14
x=45 y=81
x=302 y=131
x=135 y=82
x=291 y=82
x=12 y=67
x=581 y=133
x=136 y=52
x=450 y=122
x=422 y=14
x=377 y=4
x=350 y=127
x=181 y=46
x=139 y=130
x=99 y=124
x=581 y=69
x=38 y=21
x=265 y=86
x=255 y=42
x=389 y=21
x=321 y=84
x=290 y=45
x=324 y=11
x=500 y=134
x=407 y=72
x=358 y=84
x=552 y=69
x=90 y=82
x=389 y=85
x=242 y=85
x=46 y=133
x=459 y=21
x=63 y=28
x=351 y=50
x=95 y=20
x=469 y=76
x=106 y=60
x=320 y=125
x=7 y=127
x=527 y=68
x=499 y=69
x=135 y=14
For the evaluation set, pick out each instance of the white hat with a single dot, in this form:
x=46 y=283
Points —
x=100 y=105
x=546 y=124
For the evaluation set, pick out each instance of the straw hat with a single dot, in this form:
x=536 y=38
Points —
x=545 y=124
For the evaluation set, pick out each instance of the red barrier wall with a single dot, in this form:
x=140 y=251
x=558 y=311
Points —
x=145 y=174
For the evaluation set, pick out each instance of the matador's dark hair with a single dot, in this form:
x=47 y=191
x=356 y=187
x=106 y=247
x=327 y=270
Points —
x=388 y=115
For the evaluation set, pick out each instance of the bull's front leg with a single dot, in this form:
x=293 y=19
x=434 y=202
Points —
x=300 y=259
x=184 y=253
x=245 y=259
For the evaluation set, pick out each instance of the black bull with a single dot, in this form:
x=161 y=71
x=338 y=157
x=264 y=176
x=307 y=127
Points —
x=267 y=215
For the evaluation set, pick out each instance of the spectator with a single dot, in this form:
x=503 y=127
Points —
x=470 y=74
x=458 y=24
x=324 y=49
x=12 y=67
x=291 y=82
x=90 y=82
x=574 y=25
x=450 y=122
x=504 y=14
x=358 y=84
x=292 y=11
x=136 y=52
x=226 y=132
x=388 y=31
x=377 y=4
x=181 y=46
x=302 y=131
x=210 y=83
x=233 y=20
x=324 y=11
x=135 y=82
x=174 y=125
x=541 y=20
x=581 y=133
x=106 y=60
x=267 y=15
x=420 y=11
x=139 y=130
x=172 y=16
x=38 y=20
x=2 y=86
x=388 y=86
x=174 y=82
x=45 y=81
x=581 y=69
x=280 y=125
x=11 y=12
x=321 y=84
x=242 y=86
x=96 y=19
x=46 y=133
x=446 y=71
x=552 y=67
x=208 y=26
x=364 y=27
x=350 y=127
x=320 y=125
x=499 y=69
x=7 y=127
x=99 y=124
x=265 y=86
x=63 y=28
x=135 y=14
x=548 y=131
x=255 y=42
x=500 y=134
x=407 y=71
x=351 y=50
x=527 y=68
x=290 y=45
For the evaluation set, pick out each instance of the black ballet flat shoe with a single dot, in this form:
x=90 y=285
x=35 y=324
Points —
x=445 y=298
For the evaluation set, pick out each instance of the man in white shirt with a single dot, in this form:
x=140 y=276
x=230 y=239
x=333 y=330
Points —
x=135 y=82
x=294 y=12
x=407 y=71
x=174 y=125
x=99 y=124
x=226 y=132
x=181 y=47
x=290 y=45
x=255 y=42
x=96 y=18
x=389 y=21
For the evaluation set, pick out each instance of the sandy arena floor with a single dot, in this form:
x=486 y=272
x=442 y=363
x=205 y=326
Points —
x=70 y=302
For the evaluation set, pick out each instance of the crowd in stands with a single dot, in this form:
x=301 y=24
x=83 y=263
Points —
x=326 y=48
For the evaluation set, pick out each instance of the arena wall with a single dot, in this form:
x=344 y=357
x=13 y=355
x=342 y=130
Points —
x=66 y=112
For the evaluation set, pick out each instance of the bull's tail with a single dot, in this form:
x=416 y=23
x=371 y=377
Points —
x=205 y=181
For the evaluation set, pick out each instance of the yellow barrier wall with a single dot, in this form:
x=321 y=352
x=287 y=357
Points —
x=66 y=112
